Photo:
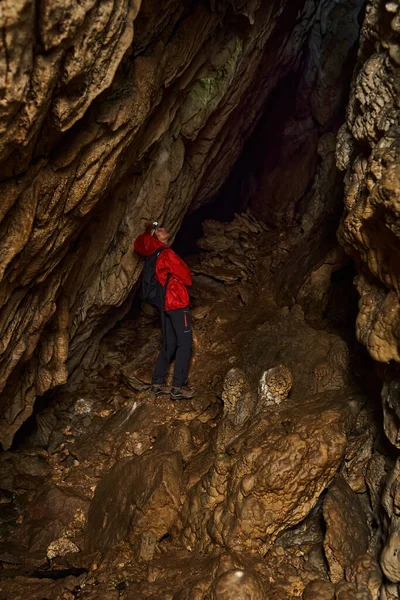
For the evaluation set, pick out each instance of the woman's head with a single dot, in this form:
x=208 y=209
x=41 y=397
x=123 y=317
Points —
x=161 y=234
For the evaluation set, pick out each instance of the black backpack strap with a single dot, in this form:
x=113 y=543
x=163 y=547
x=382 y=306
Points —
x=169 y=275
x=162 y=310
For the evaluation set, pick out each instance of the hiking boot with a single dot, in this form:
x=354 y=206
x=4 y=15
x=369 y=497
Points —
x=160 y=389
x=182 y=393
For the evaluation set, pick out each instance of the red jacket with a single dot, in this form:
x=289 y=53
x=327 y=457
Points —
x=168 y=262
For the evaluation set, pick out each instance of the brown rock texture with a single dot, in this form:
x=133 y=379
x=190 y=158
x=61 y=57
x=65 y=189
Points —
x=319 y=590
x=220 y=496
x=347 y=533
x=138 y=499
x=272 y=481
x=391 y=406
x=55 y=509
x=271 y=466
x=297 y=136
x=368 y=151
x=114 y=113
x=390 y=498
x=237 y=583
x=325 y=357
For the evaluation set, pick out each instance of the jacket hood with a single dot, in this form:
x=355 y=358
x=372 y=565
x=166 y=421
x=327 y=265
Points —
x=146 y=244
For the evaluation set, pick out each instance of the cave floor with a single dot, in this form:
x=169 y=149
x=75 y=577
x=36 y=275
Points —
x=110 y=418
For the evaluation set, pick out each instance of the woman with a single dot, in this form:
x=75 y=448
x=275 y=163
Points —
x=177 y=330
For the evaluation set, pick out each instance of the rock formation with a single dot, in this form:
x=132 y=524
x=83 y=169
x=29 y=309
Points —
x=220 y=495
x=347 y=534
x=276 y=480
x=368 y=152
x=113 y=115
x=134 y=509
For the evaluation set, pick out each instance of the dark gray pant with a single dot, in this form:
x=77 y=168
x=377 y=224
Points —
x=177 y=339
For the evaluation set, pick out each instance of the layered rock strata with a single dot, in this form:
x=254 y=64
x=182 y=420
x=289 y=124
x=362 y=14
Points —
x=297 y=135
x=368 y=152
x=113 y=114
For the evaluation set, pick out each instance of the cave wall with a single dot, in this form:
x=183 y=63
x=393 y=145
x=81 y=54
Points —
x=297 y=130
x=368 y=151
x=287 y=173
x=114 y=113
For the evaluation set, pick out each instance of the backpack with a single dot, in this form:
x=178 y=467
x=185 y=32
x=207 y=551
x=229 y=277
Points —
x=152 y=291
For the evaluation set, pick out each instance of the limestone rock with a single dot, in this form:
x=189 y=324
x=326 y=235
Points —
x=275 y=385
x=215 y=243
x=314 y=293
x=368 y=150
x=139 y=495
x=390 y=591
x=22 y=464
x=347 y=591
x=178 y=437
x=367 y=575
x=271 y=478
x=390 y=499
x=390 y=496
x=332 y=373
x=269 y=470
x=358 y=457
x=374 y=478
x=390 y=559
x=113 y=114
x=282 y=340
x=239 y=405
x=36 y=589
x=53 y=510
x=319 y=589
x=238 y=583
x=391 y=409
x=347 y=533
x=61 y=547
x=237 y=396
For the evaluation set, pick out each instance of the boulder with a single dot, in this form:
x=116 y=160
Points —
x=138 y=496
x=270 y=478
x=347 y=533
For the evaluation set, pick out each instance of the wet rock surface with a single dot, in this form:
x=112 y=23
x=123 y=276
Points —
x=222 y=496
x=139 y=497
x=113 y=115
x=368 y=152
x=281 y=464
x=347 y=534
x=275 y=481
